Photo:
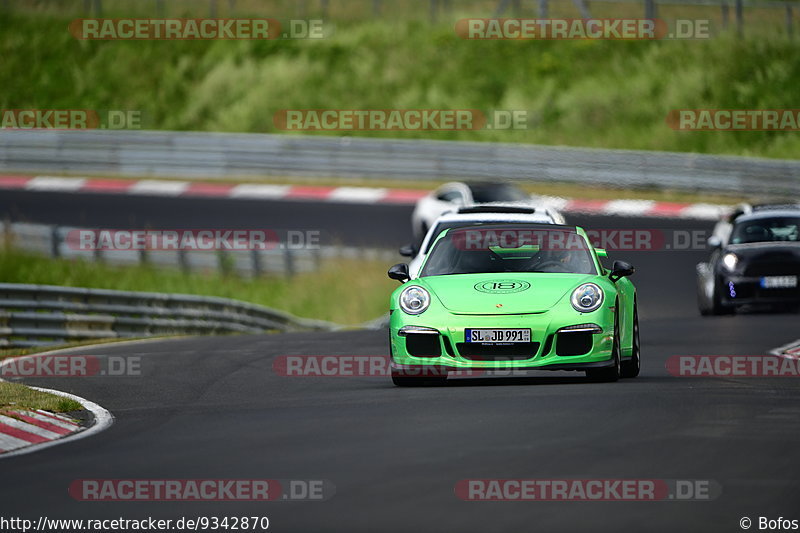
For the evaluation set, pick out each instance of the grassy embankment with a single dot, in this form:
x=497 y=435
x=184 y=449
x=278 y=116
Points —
x=343 y=291
x=609 y=94
x=18 y=396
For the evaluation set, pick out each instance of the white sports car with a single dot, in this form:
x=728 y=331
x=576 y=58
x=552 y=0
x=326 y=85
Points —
x=476 y=216
x=451 y=196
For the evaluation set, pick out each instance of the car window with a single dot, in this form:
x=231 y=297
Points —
x=499 y=250
x=497 y=193
x=767 y=230
x=449 y=196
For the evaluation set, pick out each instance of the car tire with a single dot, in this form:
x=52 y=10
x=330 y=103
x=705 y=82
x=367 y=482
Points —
x=630 y=367
x=717 y=307
x=702 y=300
x=712 y=305
x=612 y=373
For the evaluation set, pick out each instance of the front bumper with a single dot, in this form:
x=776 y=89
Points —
x=747 y=290
x=446 y=341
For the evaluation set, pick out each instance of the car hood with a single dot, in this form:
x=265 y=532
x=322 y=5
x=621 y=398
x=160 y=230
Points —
x=771 y=251
x=503 y=293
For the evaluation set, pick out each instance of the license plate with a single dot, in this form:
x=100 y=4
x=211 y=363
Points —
x=779 y=282
x=497 y=335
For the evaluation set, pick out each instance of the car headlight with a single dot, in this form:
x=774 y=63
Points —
x=588 y=297
x=414 y=300
x=730 y=261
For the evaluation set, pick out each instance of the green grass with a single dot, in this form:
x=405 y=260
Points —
x=343 y=291
x=584 y=93
x=18 y=396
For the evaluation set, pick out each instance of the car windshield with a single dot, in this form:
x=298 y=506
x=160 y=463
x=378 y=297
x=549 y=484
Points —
x=767 y=230
x=492 y=192
x=440 y=227
x=509 y=249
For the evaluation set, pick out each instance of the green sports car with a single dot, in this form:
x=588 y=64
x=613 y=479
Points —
x=513 y=296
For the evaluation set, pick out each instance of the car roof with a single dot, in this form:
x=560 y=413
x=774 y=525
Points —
x=523 y=208
x=745 y=210
x=495 y=217
x=488 y=185
x=769 y=213
x=532 y=224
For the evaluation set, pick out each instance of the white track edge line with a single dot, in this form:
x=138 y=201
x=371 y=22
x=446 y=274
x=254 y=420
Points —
x=780 y=350
x=103 y=417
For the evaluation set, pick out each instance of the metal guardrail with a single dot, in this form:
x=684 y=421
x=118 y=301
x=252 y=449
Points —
x=51 y=241
x=230 y=156
x=41 y=315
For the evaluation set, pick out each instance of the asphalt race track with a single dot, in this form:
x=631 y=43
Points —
x=214 y=408
x=355 y=224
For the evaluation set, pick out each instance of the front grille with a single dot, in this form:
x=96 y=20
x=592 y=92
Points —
x=786 y=266
x=493 y=352
x=577 y=343
x=778 y=293
x=753 y=290
x=423 y=345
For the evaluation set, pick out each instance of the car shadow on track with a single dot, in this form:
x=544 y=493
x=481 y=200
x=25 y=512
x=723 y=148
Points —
x=524 y=381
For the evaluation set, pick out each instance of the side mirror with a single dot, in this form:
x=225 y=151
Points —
x=399 y=272
x=601 y=252
x=714 y=242
x=408 y=250
x=621 y=269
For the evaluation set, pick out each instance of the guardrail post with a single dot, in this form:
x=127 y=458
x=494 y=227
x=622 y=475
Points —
x=212 y=9
x=98 y=8
x=434 y=8
x=650 y=9
x=739 y=17
x=54 y=241
x=501 y=7
x=725 y=15
x=226 y=262
x=543 y=11
x=183 y=260
x=789 y=28
x=288 y=261
x=583 y=7
x=160 y=8
x=255 y=256
x=316 y=253
x=325 y=4
x=376 y=8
